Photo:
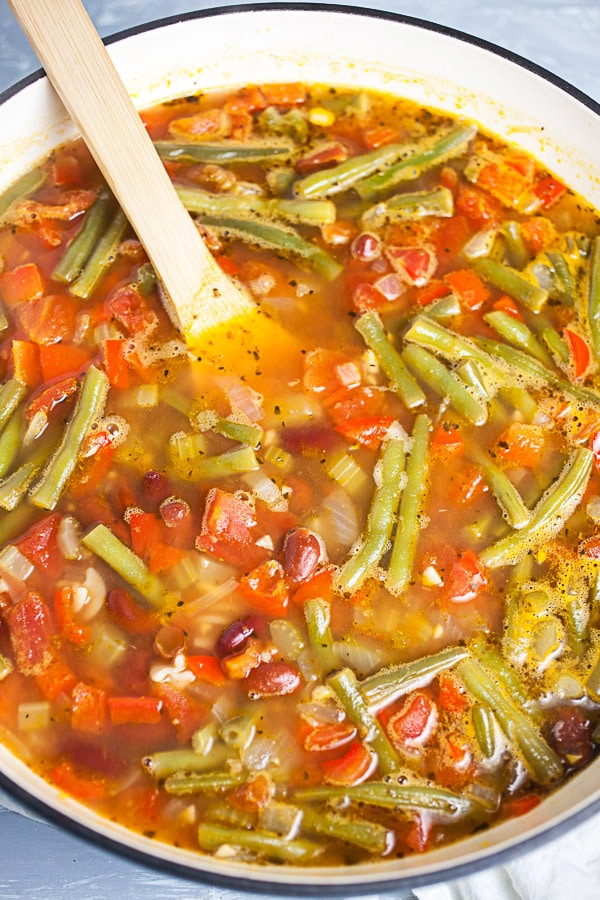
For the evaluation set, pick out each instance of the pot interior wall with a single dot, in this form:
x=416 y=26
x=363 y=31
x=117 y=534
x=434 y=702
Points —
x=345 y=49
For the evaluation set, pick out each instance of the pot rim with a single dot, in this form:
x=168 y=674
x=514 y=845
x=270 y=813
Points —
x=383 y=884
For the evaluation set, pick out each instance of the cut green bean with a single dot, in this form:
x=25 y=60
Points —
x=404 y=546
x=511 y=282
x=101 y=541
x=326 y=182
x=75 y=257
x=555 y=344
x=16 y=521
x=469 y=372
x=10 y=441
x=564 y=282
x=517 y=333
x=380 y=520
x=226 y=152
x=168 y=762
x=502 y=672
x=90 y=404
x=451 y=346
x=593 y=297
x=417 y=160
x=345 y=686
x=11 y=394
x=387 y=795
x=240 y=460
x=505 y=493
x=543 y=763
x=404 y=207
x=428 y=368
x=318 y=624
x=101 y=257
x=390 y=684
x=549 y=515
x=483 y=725
x=14 y=487
x=284 y=241
x=181 y=783
x=306 y=212
x=264 y=843
x=370 y=836
x=371 y=329
x=27 y=184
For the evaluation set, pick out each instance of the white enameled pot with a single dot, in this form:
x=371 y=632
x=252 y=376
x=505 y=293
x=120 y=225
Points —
x=346 y=47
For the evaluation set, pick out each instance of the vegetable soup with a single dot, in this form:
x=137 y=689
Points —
x=327 y=590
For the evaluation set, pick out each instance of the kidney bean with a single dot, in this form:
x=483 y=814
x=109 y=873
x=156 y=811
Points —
x=156 y=485
x=571 y=733
x=301 y=555
x=366 y=247
x=174 y=511
x=272 y=679
x=236 y=636
x=169 y=641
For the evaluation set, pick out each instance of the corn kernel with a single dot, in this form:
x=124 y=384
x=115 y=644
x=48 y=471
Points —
x=321 y=117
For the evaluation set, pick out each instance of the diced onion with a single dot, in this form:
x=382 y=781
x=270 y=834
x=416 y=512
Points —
x=15 y=569
x=281 y=818
x=68 y=538
x=33 y=716
x=259 y=754
x=342 y=525
x=266 y=490
x=287 y=638
x=243 y=397
x=360 y=656
x=481 y=244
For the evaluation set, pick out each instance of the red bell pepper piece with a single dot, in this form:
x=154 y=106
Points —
x=31 y=631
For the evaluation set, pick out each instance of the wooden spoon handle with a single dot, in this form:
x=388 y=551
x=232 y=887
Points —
x=199 y=294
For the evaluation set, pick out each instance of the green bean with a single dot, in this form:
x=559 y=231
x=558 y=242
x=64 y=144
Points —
x=390 y=684
x=380 y=520
x=15 y=521
x=263 y=843
x=239 y=732
x=240 y=432
x=502 y=672
x=511 y=282
x=531 y=369
x=563 y=277
x=345 y=686
x=542 y=761
x=515 y=245
x=281 y=240
x=306 y=212
x=318 y=624
x=167 y=762
x=367 y=835
x=469 y=372
x=555 y=344
x=71 y=264
x=181 y=783
x=340 y=178
x=429 y=369
x=370 y=327
x=516 y=332
x=404 y=546
x=101 y=257
x=593 y=297
x=505 y=493
x=423 y=157
x=101 y=541
x=10 y=440
x=404 y=207
x=90 y=404
x=11 y=394
x=577 y=621
x=27 y=184
x=549 y=515
x=388 y=795
x=224 y=152
x=14 y=487
x=292 y=124
x=232 y=462
x=444 y=309
x=483 y=724
x=451 y=346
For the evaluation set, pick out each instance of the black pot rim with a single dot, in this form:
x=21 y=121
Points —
x=258 y=886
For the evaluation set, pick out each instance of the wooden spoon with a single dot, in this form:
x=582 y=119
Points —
x=199 y=296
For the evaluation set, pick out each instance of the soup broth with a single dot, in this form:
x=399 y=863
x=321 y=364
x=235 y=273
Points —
x=324 y=589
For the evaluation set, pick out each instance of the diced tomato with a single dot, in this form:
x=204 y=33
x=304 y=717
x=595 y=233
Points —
x=447 y=440
x=581 y=355
x=435 y=290
x=65 y=618
x=454 y=766
x=477 y=207
x=359 y=402
x=64 y=359
x=451 y=695
x=465 y=578
x=319 y=585
x=66 y=170
x=186 y=715
x=206 y=668
x=548 y=190
x=451 y=234
x=57 y=679
x=323 y=156
x=131 y=310
x=116 y=363
x=22 y=284
x=284 y=94
x=467 y=485
x=507 y=305
x=416 y=265
x=51 y=397
x=126 y=612
x=39 y=544
x=521 y=445
x=248 y=99
x=209 y=124
x=266 y=589
x=471 y=290
x=365 y=296
x=418 y=835
x=31 y=631
x=87 y=788
x=378 y=136
x=369 y=430
x=520 y=806
x=26 y=362
x=507 y=179
x=228 y=529
x=254 y=794
x=326 y=371
x=227 y=265
x=88 y=712
x=326 y=737
x=354 y=767
x=538 y=232
x=48 y=320
x=135 y=710
x=415 y=723
x=145 y=531
x=590 y=547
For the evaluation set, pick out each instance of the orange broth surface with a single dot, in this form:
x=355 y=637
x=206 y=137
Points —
x=329 y=592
